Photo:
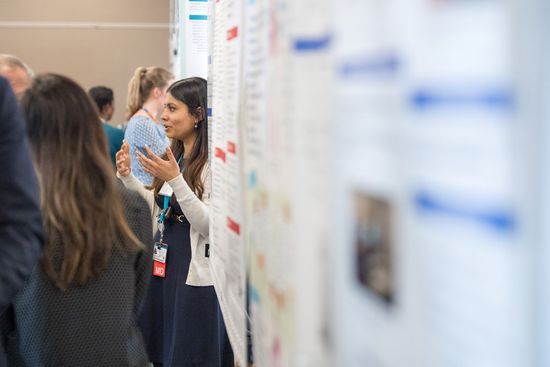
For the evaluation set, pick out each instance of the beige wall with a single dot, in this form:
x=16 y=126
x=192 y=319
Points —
x=57 y=36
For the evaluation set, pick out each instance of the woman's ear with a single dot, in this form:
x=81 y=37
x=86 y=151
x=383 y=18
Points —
x=157 y=92
x=199 y=113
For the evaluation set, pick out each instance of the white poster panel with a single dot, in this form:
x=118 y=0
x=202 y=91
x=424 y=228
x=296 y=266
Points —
x=286 y=76
x=256 y=49
x=194 y=38
x=434 y=267
x=175 y=42
x=371 y=278
x=310 y=118
x=227 y=254
x=269 y=170
x=464 y=208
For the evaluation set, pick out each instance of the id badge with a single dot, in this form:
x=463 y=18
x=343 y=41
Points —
x=160 y=251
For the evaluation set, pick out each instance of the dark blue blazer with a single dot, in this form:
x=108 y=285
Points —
x=20 y=218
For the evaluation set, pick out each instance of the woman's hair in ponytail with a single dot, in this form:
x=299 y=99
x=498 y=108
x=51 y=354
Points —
x=142 y=83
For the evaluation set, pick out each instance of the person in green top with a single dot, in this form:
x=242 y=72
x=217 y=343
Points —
x=104 y=100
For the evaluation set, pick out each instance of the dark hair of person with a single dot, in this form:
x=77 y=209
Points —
x=102 y=96
x=84 y=221
x=192 y=92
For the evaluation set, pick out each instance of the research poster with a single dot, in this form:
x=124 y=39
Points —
x=175 y=43
x=433 y=266
x=193 y=53
x=268 y=168
x=226 y=232
x=369 y=191
x=286 y=76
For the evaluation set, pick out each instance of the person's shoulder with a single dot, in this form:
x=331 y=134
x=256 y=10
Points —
x=132 y=201
x=113 y=131
x=11 y=120
x=140 y=120
x=4 y=85
x=110 y=129
x=6 y=94
x=137 y=214
x=139 y=124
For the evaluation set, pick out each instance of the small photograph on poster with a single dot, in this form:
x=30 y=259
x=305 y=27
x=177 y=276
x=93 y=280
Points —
x=373 y=245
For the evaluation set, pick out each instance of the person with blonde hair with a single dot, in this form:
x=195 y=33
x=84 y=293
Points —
x=146 y=93
x=80 y=306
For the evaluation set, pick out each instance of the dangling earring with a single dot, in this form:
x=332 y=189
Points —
x=196 y=125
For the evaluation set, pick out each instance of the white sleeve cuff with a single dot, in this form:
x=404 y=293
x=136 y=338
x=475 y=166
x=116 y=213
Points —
x=179 y=185
x=124 y=179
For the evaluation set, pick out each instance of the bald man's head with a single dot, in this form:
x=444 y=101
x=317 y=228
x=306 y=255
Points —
x=17 y=73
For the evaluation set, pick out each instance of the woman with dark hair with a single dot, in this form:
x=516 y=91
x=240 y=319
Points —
x=80 y=307
x=181 y=319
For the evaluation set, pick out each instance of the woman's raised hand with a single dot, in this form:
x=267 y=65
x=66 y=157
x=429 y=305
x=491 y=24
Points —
x=123 y=160
x=165 y=170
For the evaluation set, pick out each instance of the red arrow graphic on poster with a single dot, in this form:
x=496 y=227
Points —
x=220 y=154
x=233 y=226
x=232 y=33
x=231 y=147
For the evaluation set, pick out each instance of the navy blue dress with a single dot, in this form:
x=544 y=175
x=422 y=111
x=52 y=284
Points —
x=182 y=324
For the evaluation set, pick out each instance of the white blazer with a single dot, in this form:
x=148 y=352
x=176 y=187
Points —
x=196 y=212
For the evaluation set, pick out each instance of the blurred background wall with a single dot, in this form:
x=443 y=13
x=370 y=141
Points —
x=95 y=42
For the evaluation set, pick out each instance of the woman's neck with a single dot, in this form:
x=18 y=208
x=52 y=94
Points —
x=188 y=144
x=151 y=106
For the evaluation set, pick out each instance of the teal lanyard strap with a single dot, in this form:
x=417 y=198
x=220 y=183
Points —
x=164 y=209
x=167 y=199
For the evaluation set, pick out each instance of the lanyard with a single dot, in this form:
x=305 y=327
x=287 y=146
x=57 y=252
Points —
x=149 y=114
x=166 y=208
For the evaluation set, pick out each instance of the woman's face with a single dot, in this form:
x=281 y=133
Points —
x=178 y=122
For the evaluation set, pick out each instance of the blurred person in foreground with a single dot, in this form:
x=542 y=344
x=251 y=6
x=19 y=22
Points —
x=105 y=102
x=80 y=305
x=17 y=73
x=20 y=219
